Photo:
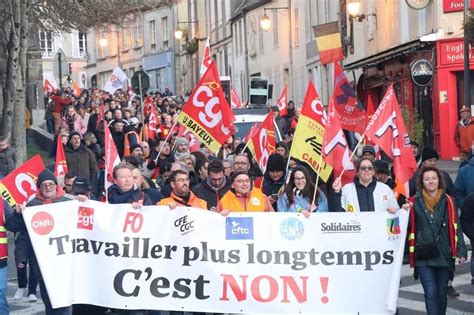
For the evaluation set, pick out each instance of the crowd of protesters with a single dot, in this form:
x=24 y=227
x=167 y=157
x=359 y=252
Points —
x=165 y=170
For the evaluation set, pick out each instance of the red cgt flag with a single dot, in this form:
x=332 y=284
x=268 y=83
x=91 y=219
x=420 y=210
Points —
x=18 y=186
x=282 y=102
x=234 y=99
x=336 y=151
x=207 y=113
x=152 y=125
x=206 y=59
x=111 y=158
x=387 y=129
x=60 y=167
x=351 y=111
x=262 y=143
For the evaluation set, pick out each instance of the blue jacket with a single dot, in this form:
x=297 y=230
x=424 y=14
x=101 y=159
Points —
x=301 y=203
x=464 y=183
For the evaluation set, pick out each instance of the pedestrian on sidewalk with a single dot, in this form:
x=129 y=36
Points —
x=467 y=223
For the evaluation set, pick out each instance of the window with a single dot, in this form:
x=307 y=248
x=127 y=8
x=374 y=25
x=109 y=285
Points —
x=46 y=44
x=275 y=28
x=165 y=34
x=240 y=37
x=260 y=35
x=138 y=36
x=152 y=30
x=82 y=45
x=297 y=29
x=126 y=38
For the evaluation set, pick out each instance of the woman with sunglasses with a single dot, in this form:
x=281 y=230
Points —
x=365 y=193
x=299 y=193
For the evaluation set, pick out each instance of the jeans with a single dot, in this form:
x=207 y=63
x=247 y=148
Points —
x=50 y=125
x=3 y=290
x=23 y=280
x=48 y=308
x=435 y=285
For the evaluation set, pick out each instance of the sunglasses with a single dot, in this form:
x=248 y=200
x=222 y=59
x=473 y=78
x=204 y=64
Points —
x=366 y=168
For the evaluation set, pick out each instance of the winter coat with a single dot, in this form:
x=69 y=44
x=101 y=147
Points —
x=211 y=194
x=82 y=161
x=464 y=182
x=117 y=196
x=447 y=180
x=79 y=125
x=9 y=225
x=7 y=161
x=467 y=216
x=23 y=241
x=269 y=186
x=427 y=224
x=464 y=135
x=301 y=203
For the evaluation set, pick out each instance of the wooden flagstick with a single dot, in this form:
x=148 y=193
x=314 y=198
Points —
x=166 y=140
x=352 y=155
x=317 y=178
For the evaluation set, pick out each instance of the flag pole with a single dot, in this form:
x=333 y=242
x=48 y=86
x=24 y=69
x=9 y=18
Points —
x=317 y=178
x=166 y=140
x=352 y=155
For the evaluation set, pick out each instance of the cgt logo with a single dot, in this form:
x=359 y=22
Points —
x=291 y=229
x=184 y=225
x=85 y=218
x=393 y=226
x=42 y=223
x=239 y=228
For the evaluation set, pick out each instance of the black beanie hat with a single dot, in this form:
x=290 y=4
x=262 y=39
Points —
x=429 y=153
x=134 y=146
x=275 y=163
x=381 y=167
x=44 y=176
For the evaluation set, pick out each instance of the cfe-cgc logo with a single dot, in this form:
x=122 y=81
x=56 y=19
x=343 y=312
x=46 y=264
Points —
x=42 y=223
x=239 y=228
x=393 y=228
x=85 y=218
x=291 y=229
x=184 y=224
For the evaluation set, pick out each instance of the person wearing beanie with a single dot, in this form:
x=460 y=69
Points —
x=243 y=197
x=48 y=192
x=274 y=177
x=368 y=151
x=181 y=147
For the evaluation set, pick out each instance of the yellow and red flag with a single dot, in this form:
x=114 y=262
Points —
x=328 y=39
x=60 y=167
x=282 y=102
x=387 y=129
x=308 y=138
x=262 y=143
x=18 y=186
x=207 y=113
x=76 y=89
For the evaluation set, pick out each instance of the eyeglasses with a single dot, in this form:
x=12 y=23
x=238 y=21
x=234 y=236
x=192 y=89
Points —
x=48 y=185
x=300 y=179
x=366 y=168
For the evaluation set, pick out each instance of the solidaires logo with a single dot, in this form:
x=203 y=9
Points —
x=393 y=226
x=291 y=229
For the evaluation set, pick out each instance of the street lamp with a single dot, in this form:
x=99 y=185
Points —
x=178 y=34
x=353 y=8
x=265 y=22
x=103 y=42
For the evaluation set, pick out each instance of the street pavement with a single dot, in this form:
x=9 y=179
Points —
x=410 y=301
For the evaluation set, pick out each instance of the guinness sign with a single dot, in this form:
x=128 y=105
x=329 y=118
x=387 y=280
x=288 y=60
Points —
x=421 y=72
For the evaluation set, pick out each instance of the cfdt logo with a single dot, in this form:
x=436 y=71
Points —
x=184 y=224
x=393 y=226
x=42 y=223
x=239 y=228
x=85 y=218
x=291 y=229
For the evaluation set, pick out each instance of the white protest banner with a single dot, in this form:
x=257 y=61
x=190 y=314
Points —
x=197 y=260
x=116 y=81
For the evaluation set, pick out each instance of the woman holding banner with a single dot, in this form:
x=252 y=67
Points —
x=365 y=193
x=435 y=238
x=299 y=193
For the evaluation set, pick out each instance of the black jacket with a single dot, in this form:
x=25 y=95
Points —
x=210 y=194
x=116 y=196
x=467 y=216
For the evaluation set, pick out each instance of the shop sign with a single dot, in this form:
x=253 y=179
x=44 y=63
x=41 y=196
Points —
x=452 y=52
x=417 y=4
x=421 y=72
x=455 y=5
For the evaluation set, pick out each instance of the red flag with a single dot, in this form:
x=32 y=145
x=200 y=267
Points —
x=336 y=151
x=207 y=113
x=151 y=126
x=387 y=129
x=370 y=106
x=48 y=87
x=76 y=88
x=234 y=99
x=18 y=186
x=251 y=132
x=263 y=143
x=193 y=143
x=283 y=102
x=351 y=111
x=111 y=158
x=206 y=59
x=60 y=167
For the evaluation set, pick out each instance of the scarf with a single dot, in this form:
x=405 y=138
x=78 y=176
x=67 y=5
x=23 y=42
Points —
x=431 y=201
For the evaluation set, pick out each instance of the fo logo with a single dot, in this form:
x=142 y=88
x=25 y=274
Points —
x=42 y=223
x=291 y=229
x=393 y=226
x=85 y=218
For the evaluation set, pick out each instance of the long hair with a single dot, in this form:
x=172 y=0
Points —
x=308 y=190
x=419 y=180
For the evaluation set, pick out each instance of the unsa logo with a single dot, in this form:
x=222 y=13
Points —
x=42 y=223
x=292 y=229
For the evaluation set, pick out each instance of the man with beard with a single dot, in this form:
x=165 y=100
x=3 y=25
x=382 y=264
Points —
x=165 y=156
x=48 y=192
x=215 y=186
x=180 y=193
x=119 y=138
x=80 y=159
